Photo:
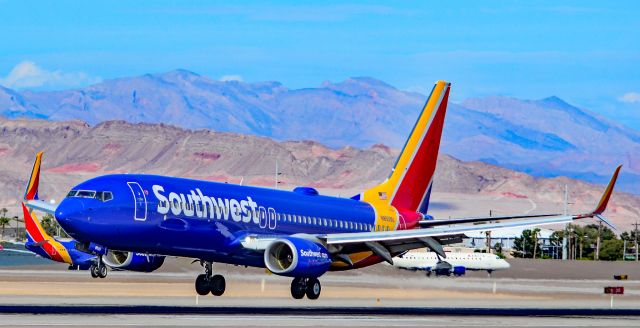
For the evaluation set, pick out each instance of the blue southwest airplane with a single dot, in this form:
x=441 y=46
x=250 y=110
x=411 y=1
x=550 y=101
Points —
x=298 y=234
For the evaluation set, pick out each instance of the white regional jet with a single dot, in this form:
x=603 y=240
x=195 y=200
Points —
x=456 y=263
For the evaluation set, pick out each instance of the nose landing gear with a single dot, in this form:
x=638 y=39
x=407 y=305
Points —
x=207 y=283
x=305 y=286
x=99 y=269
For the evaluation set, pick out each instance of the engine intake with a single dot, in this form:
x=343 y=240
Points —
x=133 y=261
x=297 y=257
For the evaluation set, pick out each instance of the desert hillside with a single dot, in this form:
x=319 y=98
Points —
x=75 y=151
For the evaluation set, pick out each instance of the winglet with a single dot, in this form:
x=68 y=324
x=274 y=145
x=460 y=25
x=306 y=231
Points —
x=32 y=187
x=604 y=200
x=602 y=205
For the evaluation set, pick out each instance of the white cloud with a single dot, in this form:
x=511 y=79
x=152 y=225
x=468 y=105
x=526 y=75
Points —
x=630 y=97
x=28 y=75
x=227 y=78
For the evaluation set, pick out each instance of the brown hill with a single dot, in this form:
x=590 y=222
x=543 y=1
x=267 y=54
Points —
x=75 y=151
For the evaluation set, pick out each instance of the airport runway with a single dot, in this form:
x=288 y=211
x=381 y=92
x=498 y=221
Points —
x=377 y=297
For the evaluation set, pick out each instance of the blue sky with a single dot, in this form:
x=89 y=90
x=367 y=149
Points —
x=586 y=52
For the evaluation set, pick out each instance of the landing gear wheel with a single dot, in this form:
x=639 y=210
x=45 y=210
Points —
x=313 y=288
x=217 y=285
x=298 y=288
x=202 y=285
x=102 y=271
x=94 y=271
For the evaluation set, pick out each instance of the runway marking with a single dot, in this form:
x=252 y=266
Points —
x=304 y=311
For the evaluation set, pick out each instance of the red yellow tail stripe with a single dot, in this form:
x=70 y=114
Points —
x=52 y=247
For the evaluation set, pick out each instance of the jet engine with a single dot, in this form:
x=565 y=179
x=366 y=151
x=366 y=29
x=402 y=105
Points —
x=131 y=261
x=459 y=271
x=297 y=257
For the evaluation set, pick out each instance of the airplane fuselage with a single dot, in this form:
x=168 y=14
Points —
x=201 y=219
x=470 y=261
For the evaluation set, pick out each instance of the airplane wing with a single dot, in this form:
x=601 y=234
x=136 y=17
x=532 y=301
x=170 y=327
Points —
x=18 y=251
x=435 y=223
x=596 y=212
x=41 y=206
x=386 y=243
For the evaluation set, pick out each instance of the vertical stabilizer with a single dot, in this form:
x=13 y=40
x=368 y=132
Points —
x=409 y=185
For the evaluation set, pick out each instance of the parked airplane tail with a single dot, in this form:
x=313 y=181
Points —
x=409 y=185
x=41 y=242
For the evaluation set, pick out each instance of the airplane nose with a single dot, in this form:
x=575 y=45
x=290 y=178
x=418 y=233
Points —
x=69 y=215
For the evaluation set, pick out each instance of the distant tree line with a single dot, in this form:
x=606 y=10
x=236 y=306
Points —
x=589 y=242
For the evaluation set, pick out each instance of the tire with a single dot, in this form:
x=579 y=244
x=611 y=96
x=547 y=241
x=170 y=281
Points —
x=102 y=271
x=94 y=271
x=202 y=285
x=298 y=288
x=217 y=285
x=313 y=288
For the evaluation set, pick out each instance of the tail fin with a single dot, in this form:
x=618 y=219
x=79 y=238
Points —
x=409 y=185
x=35 y=232
x=32 y=187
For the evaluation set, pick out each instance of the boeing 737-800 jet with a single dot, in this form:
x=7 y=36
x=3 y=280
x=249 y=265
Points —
x=298 y=234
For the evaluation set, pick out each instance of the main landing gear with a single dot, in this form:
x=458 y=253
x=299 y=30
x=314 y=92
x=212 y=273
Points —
x=206 y=283
x=98 y=269
x=305 y=286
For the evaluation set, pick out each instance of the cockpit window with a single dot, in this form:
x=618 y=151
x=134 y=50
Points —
x=86 y=194
x=102 y=196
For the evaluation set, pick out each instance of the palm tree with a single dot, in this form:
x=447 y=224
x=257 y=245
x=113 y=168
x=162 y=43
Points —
x=535 y=232
x=4 y=220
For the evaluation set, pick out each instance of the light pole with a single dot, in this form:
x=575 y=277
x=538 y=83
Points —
x=15 y=218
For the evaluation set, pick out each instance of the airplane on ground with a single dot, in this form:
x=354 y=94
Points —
x=456 y=263
x=80 y=256
x=299 y=234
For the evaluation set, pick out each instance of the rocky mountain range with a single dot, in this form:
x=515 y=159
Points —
x=545 y=137
x=75 y=151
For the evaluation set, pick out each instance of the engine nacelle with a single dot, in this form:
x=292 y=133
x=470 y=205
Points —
x=133 y=261
x=297 y=257
x=459 y=270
